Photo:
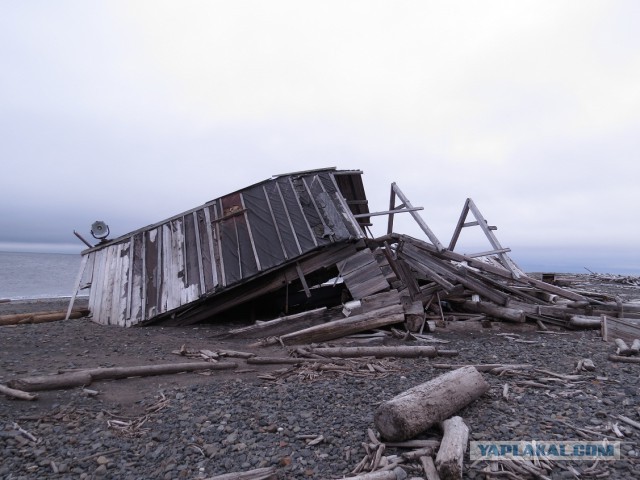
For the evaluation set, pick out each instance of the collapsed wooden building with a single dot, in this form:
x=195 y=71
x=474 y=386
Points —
x=298 y=246
x=274 y=237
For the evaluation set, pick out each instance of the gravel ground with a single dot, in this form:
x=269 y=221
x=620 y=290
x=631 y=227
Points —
x=194 y=425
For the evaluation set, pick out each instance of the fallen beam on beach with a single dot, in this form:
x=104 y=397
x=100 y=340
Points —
x=78 y=378
x=40 y=317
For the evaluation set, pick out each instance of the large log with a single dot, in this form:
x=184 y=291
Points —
x=51 y=382
x=424 y=405
x=39 y=317
x=346 y=326
x=452 y=448
x=585 y=321
x=265 y=473
x=85 y=377
x=379 y=352
x=496 y=311
x=414 y=316
x=397 y=473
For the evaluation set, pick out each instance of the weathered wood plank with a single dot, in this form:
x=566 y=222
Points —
x=283 y=325
x=379 y=300
x=346 y=326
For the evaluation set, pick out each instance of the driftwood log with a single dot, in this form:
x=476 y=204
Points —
x=496 y=311
x=85 y=377
x=452 y=448
x=429 y=468
x=620 y=358
x=39 y=317
x=424 y=405
x=286 y=360
x=379 y=352
x=345 y=326
x=584 y=321
x=283 y=325
x=414 y=316
x=626 y=350
x=266 y=473
x=485 y=367
x=19 y=394
x=397 y=473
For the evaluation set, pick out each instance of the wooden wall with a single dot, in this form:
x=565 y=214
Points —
x=211 y=248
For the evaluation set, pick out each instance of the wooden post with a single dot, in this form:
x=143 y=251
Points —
x=424 y=405
x=452 y=448
x=421 y=223
x=404 y=351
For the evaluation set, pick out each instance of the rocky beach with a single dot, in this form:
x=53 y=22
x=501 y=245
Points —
x=303 y=421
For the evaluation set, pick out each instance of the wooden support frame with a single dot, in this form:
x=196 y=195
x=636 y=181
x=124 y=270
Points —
x=408 y=207
x=498 y=250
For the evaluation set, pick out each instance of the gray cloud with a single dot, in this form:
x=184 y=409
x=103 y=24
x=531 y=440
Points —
x=133 y=114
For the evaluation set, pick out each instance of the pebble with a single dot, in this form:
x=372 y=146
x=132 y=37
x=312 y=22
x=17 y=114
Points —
x=227 y=426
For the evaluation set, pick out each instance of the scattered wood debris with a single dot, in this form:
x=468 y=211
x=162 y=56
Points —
x=79 y=378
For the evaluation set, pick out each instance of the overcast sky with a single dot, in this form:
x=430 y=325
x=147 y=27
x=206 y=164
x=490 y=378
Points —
x=130 y=112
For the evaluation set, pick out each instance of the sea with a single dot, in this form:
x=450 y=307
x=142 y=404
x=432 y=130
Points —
x=37 y=275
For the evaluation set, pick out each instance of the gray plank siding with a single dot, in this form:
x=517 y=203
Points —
x=209 y=274
x=283 y=220
x=153 y=241
x=193 y=257
x=134 y=315
x=301 y=226
x=267 y=238
x=331 y=187
x=331 y=218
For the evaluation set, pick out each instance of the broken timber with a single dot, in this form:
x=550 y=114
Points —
x=299 y=241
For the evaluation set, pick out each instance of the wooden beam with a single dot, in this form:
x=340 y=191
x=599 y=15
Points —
x=421 y=223
x=388 y=212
